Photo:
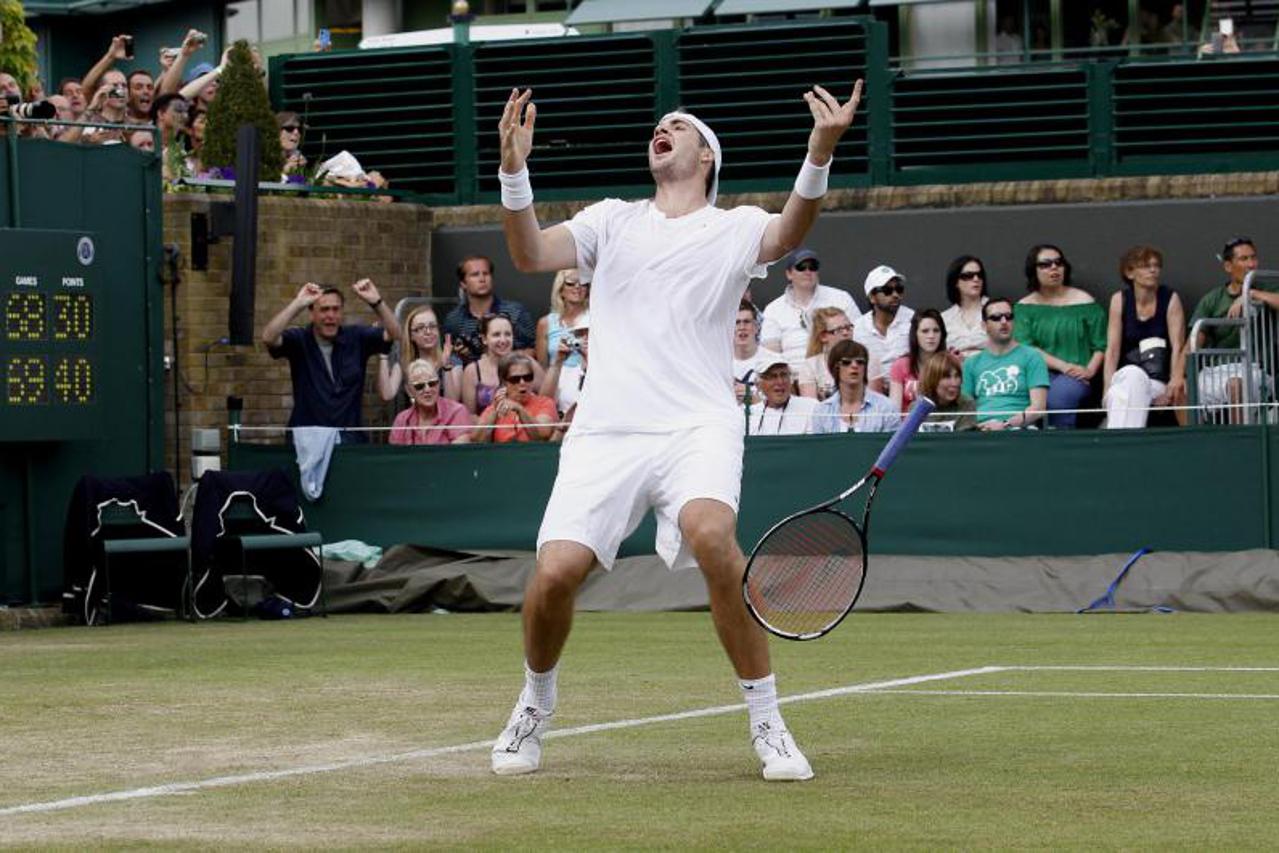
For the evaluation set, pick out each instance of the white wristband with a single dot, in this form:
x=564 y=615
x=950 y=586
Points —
x=811 y=181
x=517 y=192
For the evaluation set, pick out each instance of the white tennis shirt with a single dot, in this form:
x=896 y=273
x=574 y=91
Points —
x=664 y=296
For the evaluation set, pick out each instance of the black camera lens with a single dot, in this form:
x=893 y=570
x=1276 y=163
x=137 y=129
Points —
x=34 y=109
x=12 y=99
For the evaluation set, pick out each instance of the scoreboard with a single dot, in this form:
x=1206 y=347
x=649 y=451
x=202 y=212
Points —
x=51 y=295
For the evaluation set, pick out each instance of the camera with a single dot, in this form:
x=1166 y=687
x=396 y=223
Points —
x=31 y=109
x=128 y=47
x=119 y=90
x=199 y=38
x=574 y=343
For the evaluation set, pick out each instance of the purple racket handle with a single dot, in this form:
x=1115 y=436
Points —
x=922 y=409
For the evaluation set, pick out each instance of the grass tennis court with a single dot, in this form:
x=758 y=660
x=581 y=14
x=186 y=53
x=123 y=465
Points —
x=1159 y=731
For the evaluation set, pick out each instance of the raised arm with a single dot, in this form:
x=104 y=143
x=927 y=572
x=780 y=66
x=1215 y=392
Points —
x=830 y=120
x=532 y=248
x=272 y=335
x=114 y=53
x=171 y=79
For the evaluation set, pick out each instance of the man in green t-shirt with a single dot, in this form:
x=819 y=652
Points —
x=1221 y=384
x=1009 y=381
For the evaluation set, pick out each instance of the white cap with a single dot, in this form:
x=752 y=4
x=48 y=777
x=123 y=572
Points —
x=880 y=276
x=712 y=140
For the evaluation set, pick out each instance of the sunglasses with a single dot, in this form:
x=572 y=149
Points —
x=849 y=362
x=890 y=289
x=807 y=266
x=999 y=317
x=291 y=128
x=1049 y=263
x=585 y=284
x=422 y=386
x=520 y=378
x=839 y=330
x=970 y=276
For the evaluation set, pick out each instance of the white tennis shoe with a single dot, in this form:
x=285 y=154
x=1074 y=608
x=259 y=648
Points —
x=518 y=748
x=782 y=761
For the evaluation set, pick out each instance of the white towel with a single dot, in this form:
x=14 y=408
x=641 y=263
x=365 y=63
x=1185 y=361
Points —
x=314 y=446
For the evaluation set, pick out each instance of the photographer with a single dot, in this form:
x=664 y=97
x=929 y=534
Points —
x=121 y=48
x=12 y=106
x=171 y=80
x=567 y=373
x=108 y=105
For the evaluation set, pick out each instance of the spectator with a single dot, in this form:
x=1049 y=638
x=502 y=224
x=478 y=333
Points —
x=35 y=90
x=1222 y=384
x=430 y=418
x=481 y=379
x=516 y=412
x=141 y=93
x=421 y=341
x=570 y=298
x=170 y=82
x=1068 y=328
x=966 y=289
x=197 y=120
x=1145 y=343
x=927 y=336
x=888 y=322
x=1009 y=45
x=291 y=144
x=71 y=89
x=788 y=317
x=781 y=412
x=475 y=278
x=203 y=81
x=748 y=355
x=941 y=380
x=567 y=374
x=830 y=326
x=853 y=407
x=1007 y=381
x=110 y=106
x=169 y=114
x=142 y=140
x=63 y=106
x=103 y=71
x=326 y=358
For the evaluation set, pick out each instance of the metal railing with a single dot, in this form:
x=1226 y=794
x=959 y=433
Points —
x=1235 y=384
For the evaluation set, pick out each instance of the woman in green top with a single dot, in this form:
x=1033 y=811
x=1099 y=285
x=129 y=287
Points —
x=1067 y=326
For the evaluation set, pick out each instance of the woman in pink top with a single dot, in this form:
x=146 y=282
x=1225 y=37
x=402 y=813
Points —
x=432 y=418
x=927 y=336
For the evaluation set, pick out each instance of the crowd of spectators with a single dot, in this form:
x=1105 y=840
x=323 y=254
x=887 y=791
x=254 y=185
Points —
x=489 y=373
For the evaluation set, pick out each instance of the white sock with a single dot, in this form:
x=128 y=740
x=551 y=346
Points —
x=761 y=701
x=539 y=688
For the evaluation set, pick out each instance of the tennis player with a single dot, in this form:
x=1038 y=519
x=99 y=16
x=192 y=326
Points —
x=656 y=425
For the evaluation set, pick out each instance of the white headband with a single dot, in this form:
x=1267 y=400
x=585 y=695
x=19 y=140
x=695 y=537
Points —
x=711 y=139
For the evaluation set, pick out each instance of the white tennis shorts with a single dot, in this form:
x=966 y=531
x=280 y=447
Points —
x=608 y=481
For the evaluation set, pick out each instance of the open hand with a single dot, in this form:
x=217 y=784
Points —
x=830 y=120
x=516 y=130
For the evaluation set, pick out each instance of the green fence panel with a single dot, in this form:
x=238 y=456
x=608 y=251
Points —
x=392 y=109
x=958 y=126
x=596 y=103
x=1056 y=493
x=748 y=82
x=1197 y=116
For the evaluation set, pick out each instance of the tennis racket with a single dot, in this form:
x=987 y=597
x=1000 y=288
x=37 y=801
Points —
x=807 y=571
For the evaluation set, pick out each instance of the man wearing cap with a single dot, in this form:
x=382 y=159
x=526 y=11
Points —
x=656 y=426
x=887 y=324
x=788 y=318
x=781 y=412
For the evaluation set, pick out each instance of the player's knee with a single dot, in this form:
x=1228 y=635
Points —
x=561 y=568
x=709 y=534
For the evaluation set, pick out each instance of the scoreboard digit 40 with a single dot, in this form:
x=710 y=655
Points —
x=50 y=295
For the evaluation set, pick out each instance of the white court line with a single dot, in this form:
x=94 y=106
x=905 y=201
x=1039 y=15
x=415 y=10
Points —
x=474 y=746
x=1123 y=668
x=1059 y=694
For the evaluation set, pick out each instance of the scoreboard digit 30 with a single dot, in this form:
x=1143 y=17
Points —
x=51 y=297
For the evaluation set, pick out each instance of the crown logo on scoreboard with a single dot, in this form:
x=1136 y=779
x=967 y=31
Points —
x=85 y=250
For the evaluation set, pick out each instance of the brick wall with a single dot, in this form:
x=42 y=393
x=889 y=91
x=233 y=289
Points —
x=299 y=240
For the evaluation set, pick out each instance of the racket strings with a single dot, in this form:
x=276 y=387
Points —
x=806 y=575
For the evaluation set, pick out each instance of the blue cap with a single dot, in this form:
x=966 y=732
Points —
x=198 y=71
x=801 y=254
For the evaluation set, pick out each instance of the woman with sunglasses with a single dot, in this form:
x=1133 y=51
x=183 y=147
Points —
x=570 y=299
x=422 y=329
x=1068 y=328
x=516 y=413
x=966 y=290
x=430 y=418
x=291 y=144
x=853 y=407
x=927 y=336
x=830 y=326
x=480 y=378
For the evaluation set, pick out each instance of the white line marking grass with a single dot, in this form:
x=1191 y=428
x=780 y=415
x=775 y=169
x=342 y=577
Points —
x=1065 y=694
x=474 y=746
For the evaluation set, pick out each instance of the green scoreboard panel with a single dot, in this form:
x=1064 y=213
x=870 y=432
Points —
x=49 y=367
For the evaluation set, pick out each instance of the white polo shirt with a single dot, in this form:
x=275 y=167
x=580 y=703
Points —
x=894 y=343
x=789 y=323
x=664 y=295
x=792 y=419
